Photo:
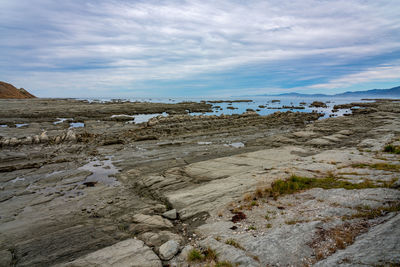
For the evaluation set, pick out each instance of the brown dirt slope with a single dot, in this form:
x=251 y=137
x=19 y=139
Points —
x=9 y=91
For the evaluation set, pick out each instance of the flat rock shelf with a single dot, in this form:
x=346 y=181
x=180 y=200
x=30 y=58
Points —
x=95 y=184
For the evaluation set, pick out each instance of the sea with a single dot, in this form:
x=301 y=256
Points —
x=263 y=105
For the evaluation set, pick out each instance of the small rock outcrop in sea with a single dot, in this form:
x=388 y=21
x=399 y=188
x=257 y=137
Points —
x=318 y=104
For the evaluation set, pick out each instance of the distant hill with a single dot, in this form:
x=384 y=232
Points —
x=392 y=92
x=9 y=91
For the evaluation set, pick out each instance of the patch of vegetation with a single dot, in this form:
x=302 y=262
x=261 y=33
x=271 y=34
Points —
x=259 y=192
x=123 y=227
x=234 y=243
x=366 y=212
x=268 y=225
x=392 y=149
x=238 y=217
x=291 y=222
x=254 y=203
x=378 y=166
x=328 y=241
x=251 y=227
x=14 y=259
x=210 y=254
x=207 y=256
x=248 y=197
x=195 y=255
x=256 y=258
x=295 y=184
x=223 y=264
x=388 y=183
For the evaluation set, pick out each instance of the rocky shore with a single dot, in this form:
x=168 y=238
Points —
x=82 y=184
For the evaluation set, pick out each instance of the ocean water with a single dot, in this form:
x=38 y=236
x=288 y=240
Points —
x=268 y=106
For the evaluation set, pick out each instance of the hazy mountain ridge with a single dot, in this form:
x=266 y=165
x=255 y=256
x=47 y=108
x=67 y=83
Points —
x=392 y=92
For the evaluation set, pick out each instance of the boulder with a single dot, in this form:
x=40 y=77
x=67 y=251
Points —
x=71 y=136
x=43 y=137
x=28 y=140
x=57 y=140
x=36 y=139
x=14 y=141
x=157 y=239
x=169 y=249
x=5 y=142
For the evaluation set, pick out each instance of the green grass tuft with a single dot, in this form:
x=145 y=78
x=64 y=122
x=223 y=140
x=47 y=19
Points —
x=210 y=254
x=252 y=227
x=234 y=243
x=372 y=213
x=392 y=149
x=194 y=255
x=223 y=264
x=254 y=203
x=379 y=166
x=296 y=183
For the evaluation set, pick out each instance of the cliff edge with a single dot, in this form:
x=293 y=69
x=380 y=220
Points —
x=9 y=91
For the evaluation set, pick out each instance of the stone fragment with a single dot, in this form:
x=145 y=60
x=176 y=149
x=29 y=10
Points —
x=14 y=141
x=36 y=139
x=57 y=140
x=304 y=134
x=171 y=214
x=28 y=140
x=6 y=142
x=319 y=142
x=43 y=137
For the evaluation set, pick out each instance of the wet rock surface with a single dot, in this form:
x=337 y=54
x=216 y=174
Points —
x=68 y=192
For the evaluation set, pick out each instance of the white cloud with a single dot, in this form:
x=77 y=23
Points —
x=381 y=73
x=110 y=43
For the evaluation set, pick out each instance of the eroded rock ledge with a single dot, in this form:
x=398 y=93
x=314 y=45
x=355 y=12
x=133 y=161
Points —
x=114 y=197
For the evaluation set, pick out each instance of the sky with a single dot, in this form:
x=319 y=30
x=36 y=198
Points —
x=121 y=48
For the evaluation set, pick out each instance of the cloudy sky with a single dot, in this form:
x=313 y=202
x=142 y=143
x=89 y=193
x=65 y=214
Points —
x=121 y=48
